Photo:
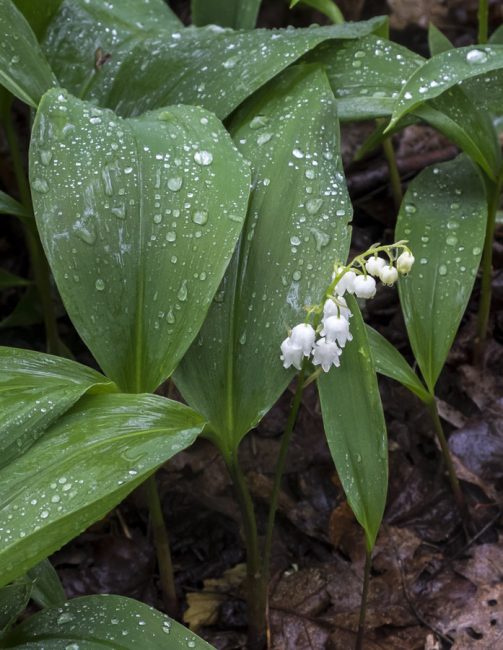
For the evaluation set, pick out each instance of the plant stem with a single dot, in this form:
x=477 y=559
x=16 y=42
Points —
x=494 y=190
x=453 y=479
x=256 y=592
x=363 y=602
x=394 y=175
x=40 y=267
x=161 y=542
x=483 y=19
x=278 y=475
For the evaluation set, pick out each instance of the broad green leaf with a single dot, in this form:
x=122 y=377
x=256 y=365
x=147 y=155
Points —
x=437 y=41
x=93 y=622
x=295 y=229
x=13 y=601
x=81 y=467
x=356 y=432
x=35 y=390
x=443 y=217
x=24 y=70
x=47 y=590
x=238 y=14
x=327 y=7
x=366 y=74
x=444 y=71
x=139 y=237
x=211 y=67
x=389 y=362
x=38 y=14
x=8 y=205
x=10 y=280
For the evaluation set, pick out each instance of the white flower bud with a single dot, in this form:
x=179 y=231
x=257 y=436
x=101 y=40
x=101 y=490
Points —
x=388 y=275
x=365 y=287
x=326 y=354
x=404 y=262
x=302 y=338
x=374 y=265
x=335 y=307
x=346 y=283
x=336 y=328
x=291 y=355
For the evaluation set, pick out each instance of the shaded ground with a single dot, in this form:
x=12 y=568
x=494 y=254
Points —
x=431 y=588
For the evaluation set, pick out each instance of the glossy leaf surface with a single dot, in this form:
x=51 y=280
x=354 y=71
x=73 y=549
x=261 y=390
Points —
x=81 y=467
x=47 y=590
x=211 y=67
x=138 y=219
x=443 y=217
x=13 y=600
x=24 y=70
x=445 y=70
x=295 y=229
x=93 y=622
x=356 y=432
x=35 y=390
x=238 y=14
x=389 y=362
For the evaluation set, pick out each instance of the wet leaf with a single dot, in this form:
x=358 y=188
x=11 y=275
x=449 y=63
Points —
x=47 y=590
x=81 y=467
x=443 y=217
x=10 y=280
x=13 y=601
x=356 y=432
x=211 y=67
x=139 y=237
x=35 y=390
x=103 y=621
x=8 y=205
x=24 y=70
x=295 y=229
x=389 y=362
x=238 y=14
x=444 y=71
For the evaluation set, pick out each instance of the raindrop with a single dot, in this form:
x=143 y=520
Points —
x=200 y=217
x=242 y=338
x=170 y=317
x=119 y=211
x=476 y=250
x=314 y=205
x=157 y=218
x=231 y=63
x=175 y=183
x=66 y=617
x=263 y=138
x=40 y=185
x=410 y=208
x=203 y=158
x=45 y=156
x=451 y=240
x=476 y=56
x=296 y=275
x=170 y=236
x=295 y=241
x=442 y=269
x=85 y=232
x=259 y=121
x=99 y=284
x=298 y=153
x=72 y=646
x=182 y=292
x=321 y=238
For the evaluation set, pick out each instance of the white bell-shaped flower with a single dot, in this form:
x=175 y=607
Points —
x=388 y=275
x=290 y=354
x=374 y=265
x=302 y=337
x=365 y=286
x=335 y=306
x=336 y=329
x=346 y=283
x=404 y=262
x=326 y=354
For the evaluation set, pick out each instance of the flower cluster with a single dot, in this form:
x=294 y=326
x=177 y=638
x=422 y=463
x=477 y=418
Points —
x=331 y=318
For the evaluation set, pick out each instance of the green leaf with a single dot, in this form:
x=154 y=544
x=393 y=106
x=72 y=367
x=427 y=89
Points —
x=10 y=280
x=82 y=467
x=47 y=589
x=390 y=363
x=26 y=312
x=296 y=228
x=366 y=74
x=13 y=601
x=93 y=622
x=238 y=14
x=8 y=205
x=444 y=71
x=23 y=67
x=443 y=217
x=437 y=41
x=496 y=37
x=139 y=243
x=38 y=14
x=210 y=67
x=355 y=428
x=35 y=390
x=327 y=7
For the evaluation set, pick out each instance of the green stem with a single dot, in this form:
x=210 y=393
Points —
x=483 y=19
x=256 y=580
x=494 y=190
x=363 y=602
x=394 y=174
x=280 y=466
x=40 y=267
x=453 y=479
x=162 y=547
